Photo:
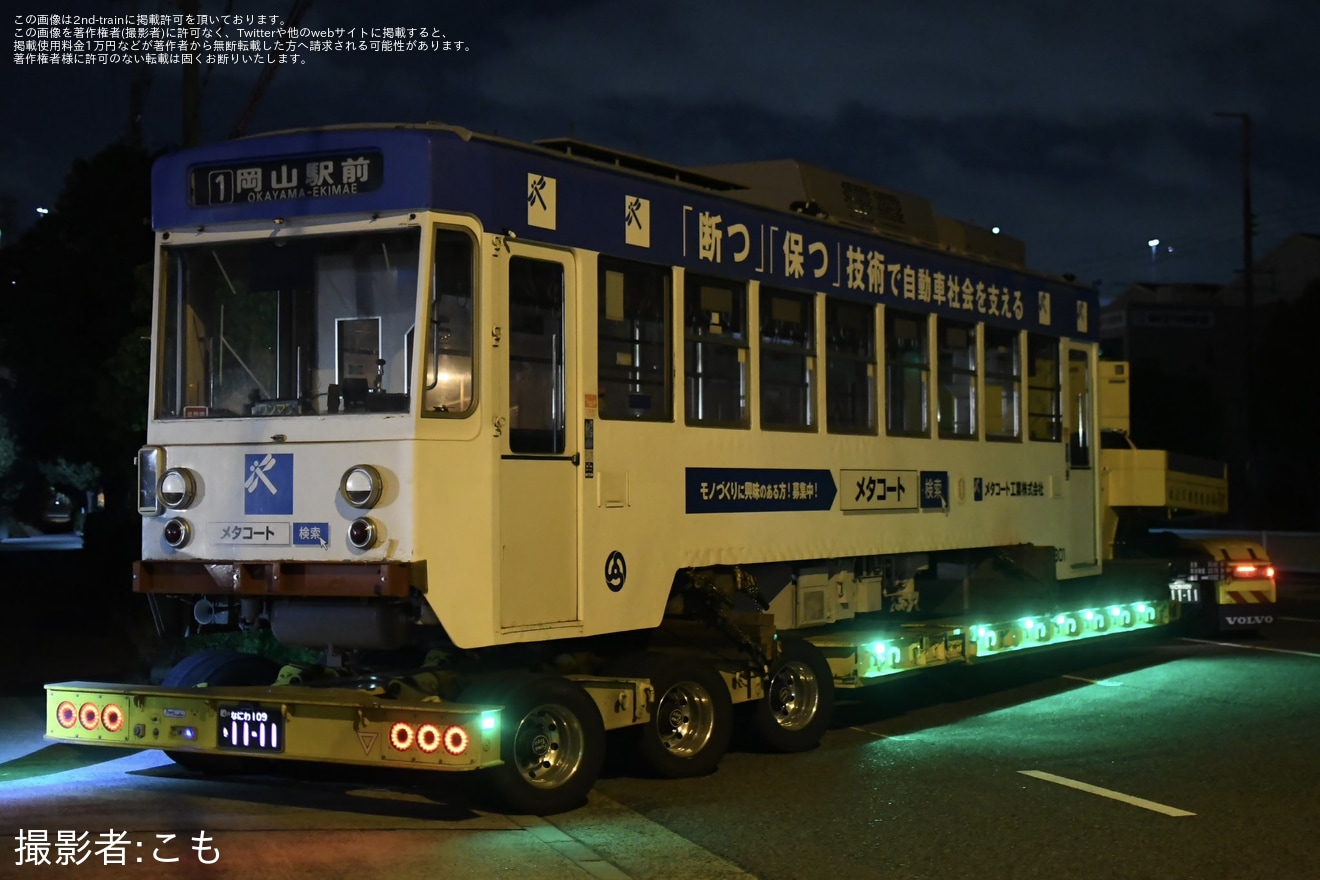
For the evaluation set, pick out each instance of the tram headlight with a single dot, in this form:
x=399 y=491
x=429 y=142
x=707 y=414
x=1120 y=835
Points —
x=362 y=533
x=178 y=488
x=360 y=486
x=177 y=532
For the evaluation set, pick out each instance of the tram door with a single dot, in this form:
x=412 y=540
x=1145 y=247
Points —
x=538 y=455
x=1082 y=458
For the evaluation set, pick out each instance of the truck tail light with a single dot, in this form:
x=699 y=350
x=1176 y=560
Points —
x=402 y=736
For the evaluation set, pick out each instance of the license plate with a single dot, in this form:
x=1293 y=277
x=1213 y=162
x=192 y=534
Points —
x=1187 y=594
x=250 y=729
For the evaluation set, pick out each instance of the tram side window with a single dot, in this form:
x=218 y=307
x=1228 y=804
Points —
x=1003 y=383
x=633 y=374
x=449 y=387
x=907 y=374
x=849 y=367
x=957 y=378
x=715 y=351
x=536 y=356
x=1043 y=388
x=788 y=360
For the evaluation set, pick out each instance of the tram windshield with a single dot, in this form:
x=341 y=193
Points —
x=288 y=326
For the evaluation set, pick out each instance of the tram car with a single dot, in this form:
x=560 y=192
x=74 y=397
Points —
x=631 y=443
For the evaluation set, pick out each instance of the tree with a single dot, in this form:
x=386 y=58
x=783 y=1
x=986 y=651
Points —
x=76 y=296
x=8 y=452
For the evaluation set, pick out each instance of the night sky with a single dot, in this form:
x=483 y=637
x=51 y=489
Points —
x=1085 y=131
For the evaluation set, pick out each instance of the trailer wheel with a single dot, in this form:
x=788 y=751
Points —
x=552 y=741
x=218 y=668
x=799 y=699
x=692 y=718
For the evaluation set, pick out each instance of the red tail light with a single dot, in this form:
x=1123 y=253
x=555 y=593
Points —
x=66 y=714
x=1246 y=570
x=402 y=736
x=112 y=718
x=428 y=738
x=456 y=740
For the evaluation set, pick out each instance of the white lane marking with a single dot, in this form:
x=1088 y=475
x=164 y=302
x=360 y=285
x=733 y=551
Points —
x=1105 y=792
x=870 y=733
x=1251 y=647
x=1100 y=681
x=1298 y=619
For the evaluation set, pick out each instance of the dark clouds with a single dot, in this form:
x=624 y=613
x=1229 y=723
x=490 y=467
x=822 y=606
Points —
x=1083 y=129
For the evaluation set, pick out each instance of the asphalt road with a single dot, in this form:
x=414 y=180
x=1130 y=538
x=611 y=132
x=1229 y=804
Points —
x=1206 y=754
x=1159 y=758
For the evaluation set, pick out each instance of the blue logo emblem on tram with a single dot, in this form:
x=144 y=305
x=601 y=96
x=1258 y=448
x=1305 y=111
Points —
x=268 y=484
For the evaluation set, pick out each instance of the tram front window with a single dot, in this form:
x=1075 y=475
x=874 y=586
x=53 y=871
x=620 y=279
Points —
x=287 y=326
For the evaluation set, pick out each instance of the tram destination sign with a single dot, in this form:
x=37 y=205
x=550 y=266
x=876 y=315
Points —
x=311 y=176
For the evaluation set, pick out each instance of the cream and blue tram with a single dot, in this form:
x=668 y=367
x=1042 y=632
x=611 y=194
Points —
x=412 y=379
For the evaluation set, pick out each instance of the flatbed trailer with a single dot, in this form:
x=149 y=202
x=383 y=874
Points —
x=397 y=723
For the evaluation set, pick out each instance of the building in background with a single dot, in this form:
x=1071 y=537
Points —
x=1213 y=379
x=1282 y=275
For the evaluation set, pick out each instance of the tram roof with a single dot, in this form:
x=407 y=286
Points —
x=782 y=222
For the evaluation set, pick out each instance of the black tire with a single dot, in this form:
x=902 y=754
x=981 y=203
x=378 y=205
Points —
x=552 y=742
x=691 y=717
x=799 y=699
x=218 y=668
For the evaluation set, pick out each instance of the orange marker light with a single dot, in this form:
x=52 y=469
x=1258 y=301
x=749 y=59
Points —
x=89 y=715
x=112 y=717
x=66 y=714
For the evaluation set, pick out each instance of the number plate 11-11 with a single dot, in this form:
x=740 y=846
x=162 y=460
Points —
x=250 y=729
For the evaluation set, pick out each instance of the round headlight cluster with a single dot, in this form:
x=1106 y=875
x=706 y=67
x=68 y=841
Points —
x=360 y=486
x=178 y=488
x=362 y=533
x=177 y=532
